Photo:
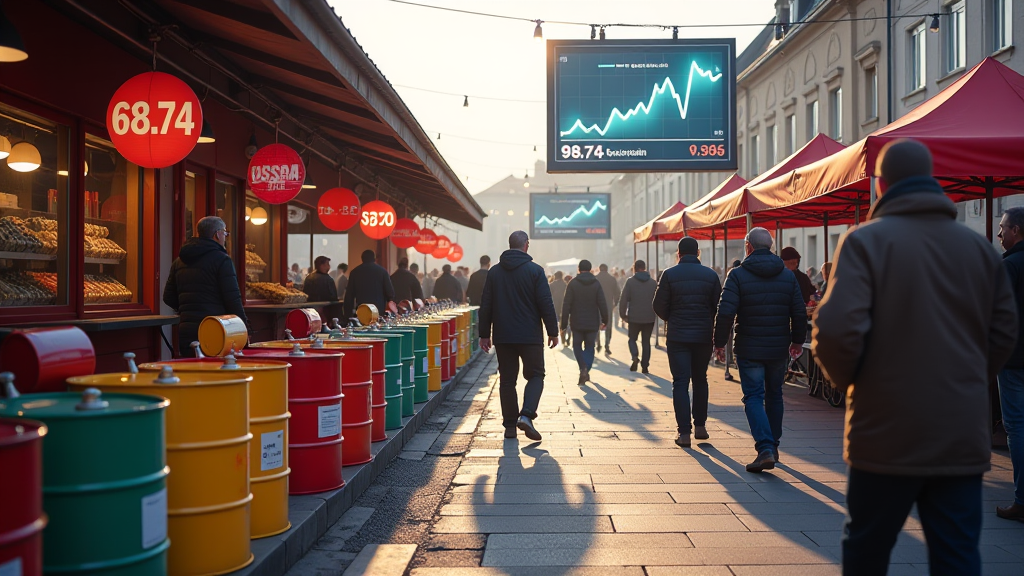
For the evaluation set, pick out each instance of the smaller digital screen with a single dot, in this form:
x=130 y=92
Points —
x=570 y=216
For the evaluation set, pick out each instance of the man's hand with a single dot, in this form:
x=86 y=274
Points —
x=603 y=326
x=552 y=341
x=795 y=350
x=720 y=355
x=485 y=345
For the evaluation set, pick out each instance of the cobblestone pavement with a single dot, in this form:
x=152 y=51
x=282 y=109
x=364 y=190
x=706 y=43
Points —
x=608 y=492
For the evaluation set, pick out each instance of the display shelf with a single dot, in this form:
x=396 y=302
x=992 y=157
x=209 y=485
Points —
x=90 y=260
x=102 y=222
x=4 y=255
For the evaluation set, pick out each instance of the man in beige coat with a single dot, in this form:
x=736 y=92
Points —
x=918 y=317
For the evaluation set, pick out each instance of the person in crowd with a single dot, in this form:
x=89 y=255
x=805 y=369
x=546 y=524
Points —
x=566 y=334
x=334 y=274
x=730 y=357
x=636 y=307
x=428 y=283
x=447 y=287
x=762 y=299
x=686 y=298
x=917 y=405
x=515 y=308
x=202 y=282
x=1011 y=377
x=295 y=275
x=826 y=272
x=319 y=286
x=407 y=287
x=414 y=268
x=585 y=311
x=557 y=287
x=610 y=287
x=475 y=291
x=341 y=283
x=369 y=283
x=791 y=258
x=463 y=279
x=620 y=278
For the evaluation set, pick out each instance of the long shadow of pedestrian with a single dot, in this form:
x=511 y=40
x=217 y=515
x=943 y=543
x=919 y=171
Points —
x=610 y=407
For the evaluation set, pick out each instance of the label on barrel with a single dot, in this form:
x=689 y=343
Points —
x=455 y=346
x=11 y=568
x=271 y=450
x=154 y=518
x=330 y=420
x=426 y=366
x=412 y=372
x=437 y=356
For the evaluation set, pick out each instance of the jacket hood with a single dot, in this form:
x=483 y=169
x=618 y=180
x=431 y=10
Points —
x=642 y=276
x=512 y=259
x=196 y=248
x=585 y=278
x=763 y=263
x=922 y=203
x=1018 y=247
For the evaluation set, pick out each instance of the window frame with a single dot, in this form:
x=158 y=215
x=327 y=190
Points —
x=917 y=57
x=791 y=137
x=771 y=142
x=955 y=36
x=813 y=119
x=755 y=159
x=1002 y=24
x=871 y=100
x=835 y=104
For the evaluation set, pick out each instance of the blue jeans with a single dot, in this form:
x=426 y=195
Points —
x=644 y=332
x=761 y=382
x=1011 y=402
x=689 y=361
x=878 y=504
x=583 y=342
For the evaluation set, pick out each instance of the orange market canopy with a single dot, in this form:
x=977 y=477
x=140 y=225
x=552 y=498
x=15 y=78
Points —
x=653 y=230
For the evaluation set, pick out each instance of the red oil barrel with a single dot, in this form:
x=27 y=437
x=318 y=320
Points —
x=447 y=336
x=453 y=329
x=21 y=497
x=42 y=359
x=302 y=322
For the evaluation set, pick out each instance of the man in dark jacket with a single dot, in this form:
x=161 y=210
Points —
x=515 y=301
x=791 y=258
x=763 y=300
x=447 y=287
x=585 y=310
x=318 y=285
x=368 y=283
x=202 y=282
x=341 y=282
x=636 y=307
x=407 y=286
x=475 y=291
x=557 y=286
x=687 y=298
x=610 y=286
x=1011 y=378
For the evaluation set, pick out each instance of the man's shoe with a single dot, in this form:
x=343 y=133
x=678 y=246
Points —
x=510 y=432
x=607 y=351
x=1012 y=512
x=683 y=441
x=765 y=461
x=584 y=376
x=526 y=425
x=729 y=377
x=645 y=370
x=632 y=367
x=598 y=347
x=700 y=433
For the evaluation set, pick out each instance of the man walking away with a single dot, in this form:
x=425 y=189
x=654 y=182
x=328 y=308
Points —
x=762 y=299
x=319 y=286
x=407 y=286
x=369 y=283
x=730 y=357
x=686 y=299
x=447 y=287
x=917 y=404
x=610 y=286
x=341 y=284
x=475 y=291
x=515 y=302
x=585 y=310
x=791 y=258
x=636 y=307
x=557 y=287
x=428 y=283
x=1011 y=378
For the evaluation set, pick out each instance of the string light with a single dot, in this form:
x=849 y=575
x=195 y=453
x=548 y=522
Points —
x=537 y=32
x=465 y=101
x=934 y=27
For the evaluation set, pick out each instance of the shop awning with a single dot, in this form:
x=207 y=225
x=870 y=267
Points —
x=656 y=227
x=675 y=225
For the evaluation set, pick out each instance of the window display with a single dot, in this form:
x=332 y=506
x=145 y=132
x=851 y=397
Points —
x=261 y=278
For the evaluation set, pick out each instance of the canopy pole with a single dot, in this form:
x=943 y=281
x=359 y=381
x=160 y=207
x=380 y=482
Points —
x=827 y=258
x=989 y=189
x=725 y=248
x=634 y=255
x=713 y=249
x=657 y=270
x=873 y=187
x=856 y=214
x=778 y=237
x=750 y=221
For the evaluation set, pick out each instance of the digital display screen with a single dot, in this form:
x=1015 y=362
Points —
x=577 y=216
x=641 y=105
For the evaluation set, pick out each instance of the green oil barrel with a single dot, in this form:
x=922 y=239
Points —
x=421 y=364
x=398 y=343
x=393 y=396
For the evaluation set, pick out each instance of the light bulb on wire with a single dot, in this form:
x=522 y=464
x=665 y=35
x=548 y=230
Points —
x=538 y=33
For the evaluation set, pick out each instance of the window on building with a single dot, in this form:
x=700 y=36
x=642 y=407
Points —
x=740 y=156
x=916 y=57
x=812 y=119
x=1002 y=24
x=955 y=36
x=835 y=104
x=791 y=134
x=794 y=10
x=772 y=143
x=755 y=166
x=871 y=98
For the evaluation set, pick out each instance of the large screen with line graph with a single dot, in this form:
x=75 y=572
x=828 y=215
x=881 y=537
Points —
x=641 y=105
x=579 y=216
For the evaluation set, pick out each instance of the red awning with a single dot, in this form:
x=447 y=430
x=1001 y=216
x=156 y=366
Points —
x=650 y=230
x=674 y=226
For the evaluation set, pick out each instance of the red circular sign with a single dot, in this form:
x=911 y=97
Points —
x=276 y=174
x=427 y=242
x=406 y=233
x=456 y=254
x=338 y=209
x=444 y=246
x=377 y=220
x=154 y=120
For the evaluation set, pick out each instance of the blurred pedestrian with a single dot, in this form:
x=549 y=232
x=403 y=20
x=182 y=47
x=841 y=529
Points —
x=730 y=357
x=917 y=402
x=428 y=283
x=319 y=286
x=610 y=287
x=475 y=292
x=557 y=287
x=791 y=258
x=1011 y=378
x=369 y=283
x=407 y=286
x=585 y=312
x=295 y=275
x=447 y=287
x=462 y=275
x=341 y=282
x=636 y=307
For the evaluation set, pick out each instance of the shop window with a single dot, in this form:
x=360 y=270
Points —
x=772 y=142
x=755 y=164
x=835 y=104
x=790 y=135
x=916 y=57
x=955 y=37
x=226 y=196
x=1002 y=24
x=34 y=223
x=260 y=264
x=812 y=120
x=195 y=201
x=300 y=244
x=871 y=98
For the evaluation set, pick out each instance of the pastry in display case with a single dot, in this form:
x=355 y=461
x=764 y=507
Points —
x=274 y=293
x=254 y=265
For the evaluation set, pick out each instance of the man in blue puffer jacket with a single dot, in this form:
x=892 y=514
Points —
x=764 y=300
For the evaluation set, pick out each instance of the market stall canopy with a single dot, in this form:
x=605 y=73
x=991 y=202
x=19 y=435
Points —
x=974 y=129
x=674 y=224
x=568 y=265
x=650 y=230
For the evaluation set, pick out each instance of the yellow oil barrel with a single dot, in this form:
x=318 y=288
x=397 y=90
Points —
x=268 y=423
x=367 y=314
x=463 y=325
x=219 y=335
x=208 y=498
x=433 y=355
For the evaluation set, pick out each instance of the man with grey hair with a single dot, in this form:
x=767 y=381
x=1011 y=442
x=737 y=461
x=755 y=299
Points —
x=1011 y=377
x=762 y=301
x=202 y=282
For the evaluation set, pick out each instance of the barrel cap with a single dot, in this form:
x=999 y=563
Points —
x=88 y=404
x=214 y=364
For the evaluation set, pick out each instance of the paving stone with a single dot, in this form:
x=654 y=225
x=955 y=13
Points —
x=695 y=523
x=591 y=556
x=792 y=523
x=422 y=441
x=714 y=496
x=614 y=540
x=580 y=509
x=349 y=524
x=773 y=508
x=532 y=571
x=514 y=524
x=564 y=498
x=750 y=539
x=688 y=571
x=381 y=560
x=794 y=570
x=409 y=455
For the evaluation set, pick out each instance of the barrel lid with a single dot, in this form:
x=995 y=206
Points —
x=15 y=431
x=213 y=364
x=210 y=378
x=74 y=405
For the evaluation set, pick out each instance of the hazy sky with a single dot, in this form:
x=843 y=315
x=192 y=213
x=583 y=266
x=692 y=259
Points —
x=421 y=49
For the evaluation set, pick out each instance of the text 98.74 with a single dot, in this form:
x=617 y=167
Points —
x=577 y=151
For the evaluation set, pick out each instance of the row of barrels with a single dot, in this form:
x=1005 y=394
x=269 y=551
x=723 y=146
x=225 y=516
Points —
x=173 y=467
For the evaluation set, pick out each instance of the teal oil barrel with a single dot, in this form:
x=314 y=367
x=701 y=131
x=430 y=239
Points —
x=408 y=368
x=393 y=379
x=421 y=363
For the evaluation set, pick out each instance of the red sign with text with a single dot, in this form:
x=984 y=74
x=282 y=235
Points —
x=456 y=254
x=377 y=220
x=427 y=242
x=406 y=233
x=154 y=120
x=276 y=174
x=338 y=209
x=444 y=246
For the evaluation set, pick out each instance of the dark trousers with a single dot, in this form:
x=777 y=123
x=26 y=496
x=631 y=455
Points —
x=608 y=331
x=878 y=504
x=583 y=342
x=689 y=362
x=643 y=330
x=509 y=356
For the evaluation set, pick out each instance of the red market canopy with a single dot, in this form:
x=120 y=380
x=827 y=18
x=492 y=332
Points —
x=675 y=226
x=652 y=230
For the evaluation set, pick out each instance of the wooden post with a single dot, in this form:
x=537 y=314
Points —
x=827 y=258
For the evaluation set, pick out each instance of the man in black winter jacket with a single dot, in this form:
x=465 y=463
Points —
x=407 y=286
x=368 y=283
x=610 y=286
x=202 y=282
x=585 y=310
x=475 y=291
x=318 y=285
x=687 y=299
x=1011 y=377
x=764 y=301
x=636 y=306
x=447 y=287
x=515 y=301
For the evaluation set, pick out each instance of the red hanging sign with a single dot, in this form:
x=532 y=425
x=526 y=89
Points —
x=456 y=254
x=377 y=220
x=276 y=174
x=406 y=233
x=427 y=241
x=154 y=120
x=444 y=246
x=338 y=209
